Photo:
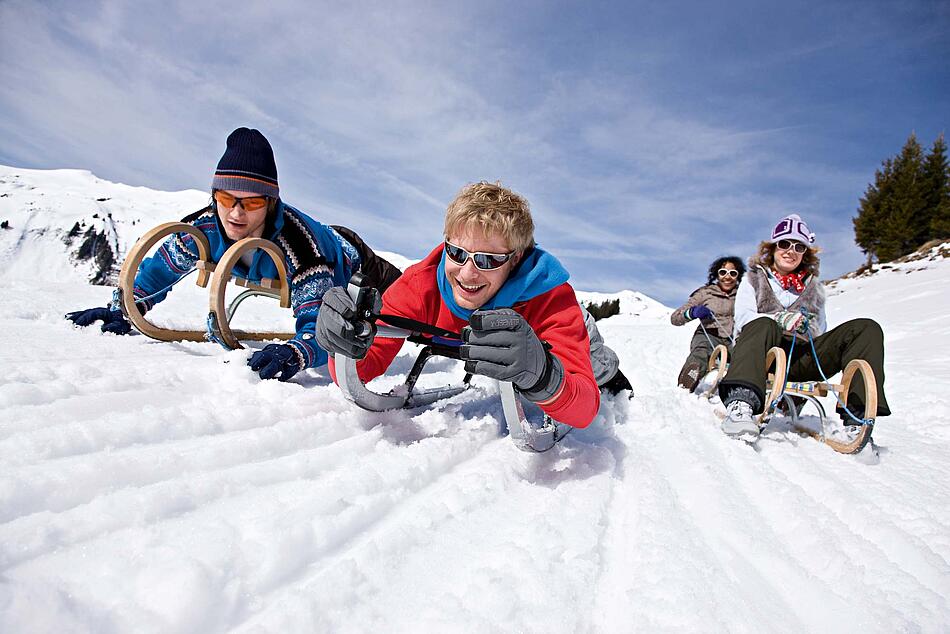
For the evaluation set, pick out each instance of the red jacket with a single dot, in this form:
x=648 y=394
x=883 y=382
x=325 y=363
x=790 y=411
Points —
x=555 y=317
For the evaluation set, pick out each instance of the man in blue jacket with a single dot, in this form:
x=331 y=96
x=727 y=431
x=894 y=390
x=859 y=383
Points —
x=246 y=203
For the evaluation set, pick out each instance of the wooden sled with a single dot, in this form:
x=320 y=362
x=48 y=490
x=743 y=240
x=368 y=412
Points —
x=219 y=317
x=782 y=394
x=718 y=363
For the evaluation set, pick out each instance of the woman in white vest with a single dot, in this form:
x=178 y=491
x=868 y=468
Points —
x=781 y=297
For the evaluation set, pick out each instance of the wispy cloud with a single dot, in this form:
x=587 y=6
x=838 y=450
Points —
x=649 y=138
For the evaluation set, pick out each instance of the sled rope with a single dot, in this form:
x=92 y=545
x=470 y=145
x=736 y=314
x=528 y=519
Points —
x=814 y=354
x=712 y=346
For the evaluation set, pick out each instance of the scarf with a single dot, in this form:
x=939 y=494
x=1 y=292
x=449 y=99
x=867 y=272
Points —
x=792 y=280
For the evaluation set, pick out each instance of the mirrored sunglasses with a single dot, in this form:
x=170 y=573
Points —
x=734 y=274
x=483 y=261
x=785 y=245
x=249 y=203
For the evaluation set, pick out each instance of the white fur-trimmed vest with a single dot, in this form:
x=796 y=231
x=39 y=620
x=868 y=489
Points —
x=812 y=299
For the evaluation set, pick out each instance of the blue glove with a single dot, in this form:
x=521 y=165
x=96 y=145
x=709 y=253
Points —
x=112 y=320
x=273 y=359
x=699 y=312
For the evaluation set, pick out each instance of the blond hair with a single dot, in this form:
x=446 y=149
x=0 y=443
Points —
x=766 y=258
x=496 y=210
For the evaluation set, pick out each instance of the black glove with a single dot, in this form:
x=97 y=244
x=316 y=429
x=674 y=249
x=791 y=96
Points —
x=500 y=344
x=274 y=358
x=112 y=320
x=340 y=328
x=617 y=384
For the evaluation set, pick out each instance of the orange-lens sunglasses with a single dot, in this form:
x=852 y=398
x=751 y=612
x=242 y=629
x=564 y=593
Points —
x=249 y=203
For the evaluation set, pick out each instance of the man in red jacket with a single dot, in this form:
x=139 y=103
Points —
x=519 y=318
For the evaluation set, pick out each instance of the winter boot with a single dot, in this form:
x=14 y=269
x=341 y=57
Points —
x=740 y=420
x=690 y=375
x=617 y=384
x=741 y=403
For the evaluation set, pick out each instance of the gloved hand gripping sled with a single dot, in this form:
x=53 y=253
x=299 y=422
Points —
x=528 y=435
x=366 y=309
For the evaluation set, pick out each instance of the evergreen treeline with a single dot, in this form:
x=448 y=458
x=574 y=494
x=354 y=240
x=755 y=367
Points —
x=907 y=205
x=604 y=309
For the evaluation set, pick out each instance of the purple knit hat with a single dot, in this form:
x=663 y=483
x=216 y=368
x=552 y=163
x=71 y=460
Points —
x=792 y=227
x=247 y=165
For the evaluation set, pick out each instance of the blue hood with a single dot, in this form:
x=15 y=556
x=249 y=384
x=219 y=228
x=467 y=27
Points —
x=536 y=274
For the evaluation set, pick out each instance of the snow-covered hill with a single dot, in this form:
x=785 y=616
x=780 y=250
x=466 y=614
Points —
x=69 y=224
x=161 y=487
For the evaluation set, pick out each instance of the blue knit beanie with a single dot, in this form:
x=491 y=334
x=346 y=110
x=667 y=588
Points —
x=247 y=165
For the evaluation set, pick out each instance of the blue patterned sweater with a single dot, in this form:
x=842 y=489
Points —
x=317 y=259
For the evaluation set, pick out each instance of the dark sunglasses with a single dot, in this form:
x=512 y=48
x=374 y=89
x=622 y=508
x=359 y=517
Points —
x=249 y=203
x=785 y=245
x=734 y=274
x=482 y=261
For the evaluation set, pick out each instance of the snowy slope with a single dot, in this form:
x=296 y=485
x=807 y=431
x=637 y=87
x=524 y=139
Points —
x=161 y=487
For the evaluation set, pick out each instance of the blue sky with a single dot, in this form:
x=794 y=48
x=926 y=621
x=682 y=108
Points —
x=649 y=137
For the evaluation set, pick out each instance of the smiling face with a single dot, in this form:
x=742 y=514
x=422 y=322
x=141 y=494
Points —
x=787 y=260
x=238 y=222
x=471 y=286
x=727 y=282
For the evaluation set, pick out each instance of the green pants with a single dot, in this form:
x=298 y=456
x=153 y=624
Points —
x=855 y=339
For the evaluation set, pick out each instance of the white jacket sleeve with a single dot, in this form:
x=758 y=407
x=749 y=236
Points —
x=746 y=306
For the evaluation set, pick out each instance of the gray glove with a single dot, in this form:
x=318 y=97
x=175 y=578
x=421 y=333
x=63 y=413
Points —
x=340 y=326
x=500 y=344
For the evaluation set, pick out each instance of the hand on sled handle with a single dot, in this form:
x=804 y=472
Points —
x=699 y=312
x=112 y=320
x=340 y=329
x=791 y=321
x=500 y=344
x=275 y=360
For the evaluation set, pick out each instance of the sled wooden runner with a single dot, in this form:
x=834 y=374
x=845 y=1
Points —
x=718 y=361
x=811 y=390
x=219 y=316
x=130 y=268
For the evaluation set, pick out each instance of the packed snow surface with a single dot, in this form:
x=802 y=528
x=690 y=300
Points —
x=162 y=487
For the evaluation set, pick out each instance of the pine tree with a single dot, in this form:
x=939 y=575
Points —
x=937 y=185
x=868 y=223
x=905 y=224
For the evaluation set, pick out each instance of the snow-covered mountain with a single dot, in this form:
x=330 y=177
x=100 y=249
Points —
x=69 y=224
x=161 y=487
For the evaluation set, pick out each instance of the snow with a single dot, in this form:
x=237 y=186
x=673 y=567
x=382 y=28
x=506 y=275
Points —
x=162 y=487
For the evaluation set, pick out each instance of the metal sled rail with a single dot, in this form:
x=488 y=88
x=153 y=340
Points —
x=527 y=435
x=404 y=396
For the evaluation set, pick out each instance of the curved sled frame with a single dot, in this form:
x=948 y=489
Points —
x=810 y=390
x=130 y=268
x=528 y=435
x=776 y=379
x=718 y=361
x=863 y=437
x=219 y=317
x=401 y=397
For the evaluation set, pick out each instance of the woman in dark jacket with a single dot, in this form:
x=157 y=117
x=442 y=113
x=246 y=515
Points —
x=713 y=306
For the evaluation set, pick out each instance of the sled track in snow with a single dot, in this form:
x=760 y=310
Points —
x=201 y=499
